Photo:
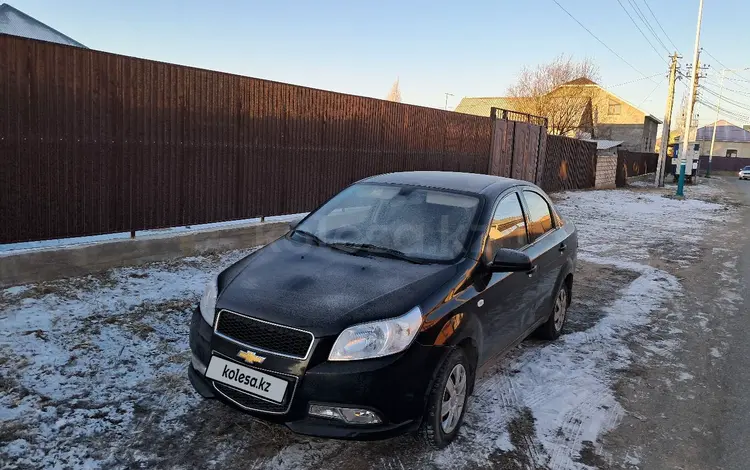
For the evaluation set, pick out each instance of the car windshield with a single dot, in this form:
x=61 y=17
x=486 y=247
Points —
x=747 y=168
x=424 y=224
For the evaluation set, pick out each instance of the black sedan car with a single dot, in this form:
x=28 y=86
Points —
x=372 y=316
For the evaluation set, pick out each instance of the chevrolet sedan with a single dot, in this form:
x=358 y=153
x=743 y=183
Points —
x=374 y=314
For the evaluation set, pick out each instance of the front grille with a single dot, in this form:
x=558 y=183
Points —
x=249 y=401
x=263 y=335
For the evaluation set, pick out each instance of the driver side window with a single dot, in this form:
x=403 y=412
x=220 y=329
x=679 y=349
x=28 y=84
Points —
x=508 y=227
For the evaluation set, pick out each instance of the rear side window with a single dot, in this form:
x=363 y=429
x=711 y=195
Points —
x=508 y=227
x=540 y=215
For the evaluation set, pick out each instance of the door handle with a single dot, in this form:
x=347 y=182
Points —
x=533 y=269
x=563 y=247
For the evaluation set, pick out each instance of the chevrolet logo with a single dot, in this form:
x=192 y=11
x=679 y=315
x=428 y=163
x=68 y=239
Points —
x=250 y=357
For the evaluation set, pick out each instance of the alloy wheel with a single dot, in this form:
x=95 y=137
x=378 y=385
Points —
x=454 y=396
x=561 y=306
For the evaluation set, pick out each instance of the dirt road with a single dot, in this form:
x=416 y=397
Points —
x=690 y=408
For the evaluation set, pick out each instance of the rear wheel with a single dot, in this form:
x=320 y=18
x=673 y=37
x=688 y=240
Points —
x=554 y=325
x=446 y=404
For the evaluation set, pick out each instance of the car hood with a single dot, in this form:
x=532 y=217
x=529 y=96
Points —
x=323 y=290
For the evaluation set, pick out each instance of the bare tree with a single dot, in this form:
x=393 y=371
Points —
x=395 y=93
x=540 y=91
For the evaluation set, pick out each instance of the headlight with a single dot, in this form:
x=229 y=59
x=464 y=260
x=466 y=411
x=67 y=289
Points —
x=377 y=339
x=208 y=301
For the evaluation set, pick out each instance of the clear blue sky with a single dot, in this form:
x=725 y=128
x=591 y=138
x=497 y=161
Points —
x=468 y=48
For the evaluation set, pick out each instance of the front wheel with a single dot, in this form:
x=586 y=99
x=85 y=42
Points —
x=554 y=325
x=446 y=404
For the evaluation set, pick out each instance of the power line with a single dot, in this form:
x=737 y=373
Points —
x=731 y=90
x=600 y=41
x=737 y=104
x=742 y=79
x=651 y=93
x=640 y=30
x=738 y=80
x=725 y=89
x=636 y=8
x=723 y=111
x=637 y=80
x=660 y=26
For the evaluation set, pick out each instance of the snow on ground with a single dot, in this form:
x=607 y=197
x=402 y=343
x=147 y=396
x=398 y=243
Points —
x=11 y=248
x=567 y=385
x=77 y=356
x=92 y=370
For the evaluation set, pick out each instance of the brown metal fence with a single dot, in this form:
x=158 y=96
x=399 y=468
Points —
x=94 y=143
x=568 y=164
x=634 y=164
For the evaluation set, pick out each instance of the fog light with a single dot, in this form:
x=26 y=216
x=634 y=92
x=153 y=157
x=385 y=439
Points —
x=348 y=415
x=197 y=364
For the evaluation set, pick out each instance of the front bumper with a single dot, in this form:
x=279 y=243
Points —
x=394 y=387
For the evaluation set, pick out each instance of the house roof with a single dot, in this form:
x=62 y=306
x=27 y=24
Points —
x=482 y=106
x=605 y=144
x=725 y=132
x=579 y=81
x=17 y=23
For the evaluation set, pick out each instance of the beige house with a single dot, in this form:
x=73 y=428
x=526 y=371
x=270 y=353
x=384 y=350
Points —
x=580 y=108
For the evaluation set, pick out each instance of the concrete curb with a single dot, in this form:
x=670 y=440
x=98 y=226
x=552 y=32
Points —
x=55 y=263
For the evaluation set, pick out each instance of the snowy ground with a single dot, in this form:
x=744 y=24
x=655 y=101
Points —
x=92 y=370
x=12 y=248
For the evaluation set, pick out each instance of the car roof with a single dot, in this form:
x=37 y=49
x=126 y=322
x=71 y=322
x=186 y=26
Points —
x=452 y=181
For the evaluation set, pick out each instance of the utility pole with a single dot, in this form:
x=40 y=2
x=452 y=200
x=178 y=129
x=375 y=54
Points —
x=667 y=122
x=713 y=136
x=446 y=100
x=689 y=113
x=718 y=109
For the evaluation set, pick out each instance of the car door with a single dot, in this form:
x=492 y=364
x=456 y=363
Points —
x=547 y=251
x=507 y=296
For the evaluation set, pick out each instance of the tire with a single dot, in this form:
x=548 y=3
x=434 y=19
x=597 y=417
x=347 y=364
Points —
x=437 y=431
x=554 y=325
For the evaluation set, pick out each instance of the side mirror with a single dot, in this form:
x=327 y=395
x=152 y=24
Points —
x=293 y=224
x=507 y=260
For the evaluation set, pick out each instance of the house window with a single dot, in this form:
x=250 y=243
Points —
x=732 y=153
x=614 y=108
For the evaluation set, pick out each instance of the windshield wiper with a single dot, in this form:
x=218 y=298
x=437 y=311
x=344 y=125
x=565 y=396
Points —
x=320 y=242
x=312 y=236
x=380 y=250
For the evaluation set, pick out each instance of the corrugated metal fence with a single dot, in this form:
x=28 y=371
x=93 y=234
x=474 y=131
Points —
x=733 y=164
x=94 y=143
x=568 y=164
x=634 y=164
